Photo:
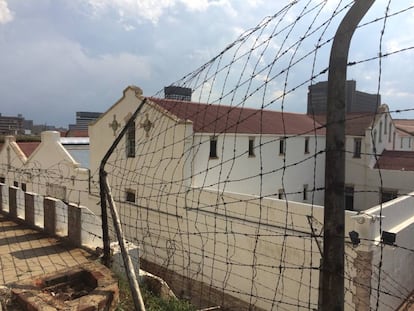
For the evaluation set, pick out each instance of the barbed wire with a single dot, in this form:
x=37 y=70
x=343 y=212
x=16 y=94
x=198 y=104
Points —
x=238 y=221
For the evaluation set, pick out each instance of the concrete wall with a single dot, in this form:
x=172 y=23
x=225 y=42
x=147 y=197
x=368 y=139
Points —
x=258 y=250
x=391 y=264
x=75 y=223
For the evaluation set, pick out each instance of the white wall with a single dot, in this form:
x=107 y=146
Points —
x=392 y=265
x=266 y=172
x=12 y=160
x=49 y=167
x=234 y=242
x=360 y=172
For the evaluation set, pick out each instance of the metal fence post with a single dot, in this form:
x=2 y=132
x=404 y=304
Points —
x=102 y=176
x=334 y=212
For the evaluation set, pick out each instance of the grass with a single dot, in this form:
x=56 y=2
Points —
x=152 y=302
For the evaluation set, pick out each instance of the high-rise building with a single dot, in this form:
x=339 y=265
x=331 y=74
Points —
x=83 y=118
x=356 y=101
x=11 y=125
x=177 y=93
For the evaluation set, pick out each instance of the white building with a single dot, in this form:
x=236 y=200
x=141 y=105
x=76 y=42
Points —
x=233 y=149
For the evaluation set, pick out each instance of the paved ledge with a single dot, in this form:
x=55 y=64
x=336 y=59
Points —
x=26 y=253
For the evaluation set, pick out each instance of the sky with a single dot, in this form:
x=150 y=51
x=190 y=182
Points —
x=62 y=56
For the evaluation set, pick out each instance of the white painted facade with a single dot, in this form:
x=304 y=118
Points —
x=361 y=173
x=233 y=170
x=12 y=160
x=266 y=172
x=50 y=170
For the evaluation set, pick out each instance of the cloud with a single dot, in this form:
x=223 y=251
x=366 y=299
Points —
x=5 y=14
x=65 y=75
x=148 y=10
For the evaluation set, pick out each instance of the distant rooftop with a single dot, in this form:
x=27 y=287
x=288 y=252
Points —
x=208 y=118
x=406 y=125
x=396 y=160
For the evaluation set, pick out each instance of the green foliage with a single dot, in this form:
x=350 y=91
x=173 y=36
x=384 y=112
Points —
x=23 y=138
x=152 y=302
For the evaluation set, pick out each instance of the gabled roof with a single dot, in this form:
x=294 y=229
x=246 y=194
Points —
x=355 y=124
x=396 y=160
x=209 y=118
x=405 y=125
x=28 y=147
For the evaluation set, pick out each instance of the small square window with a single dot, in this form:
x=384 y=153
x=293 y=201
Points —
x=15 y=183
x=305 y=192
x=306 y=144
x=213 y=148
x=2 y=179
x=282 y=146
x=130 y=196
x=251 y=147
x=24 y=187
x=281 y=194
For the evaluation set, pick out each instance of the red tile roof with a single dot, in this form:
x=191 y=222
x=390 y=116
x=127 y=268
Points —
x=356 y=123
x=76 y=133
x=396 y=160
x=208 y=118
x=405 y=125
x=28 y=147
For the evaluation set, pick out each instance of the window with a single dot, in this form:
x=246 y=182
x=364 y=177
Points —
x=281 y=194
x=24 y=187
x=130 y=141
x=380 y=132
x=130 y=196
x=282 y=146
x=393 y=141
x=374 y=141
x=305 y=192
x=357 y=147
x=15 y=183
x=213 y=148
x=2 y=179
x=251 y=147
x=387 y=195
x=385 y=124
x=306 y=144
x=389 y=132
x=402 y=143
x=349 y=198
